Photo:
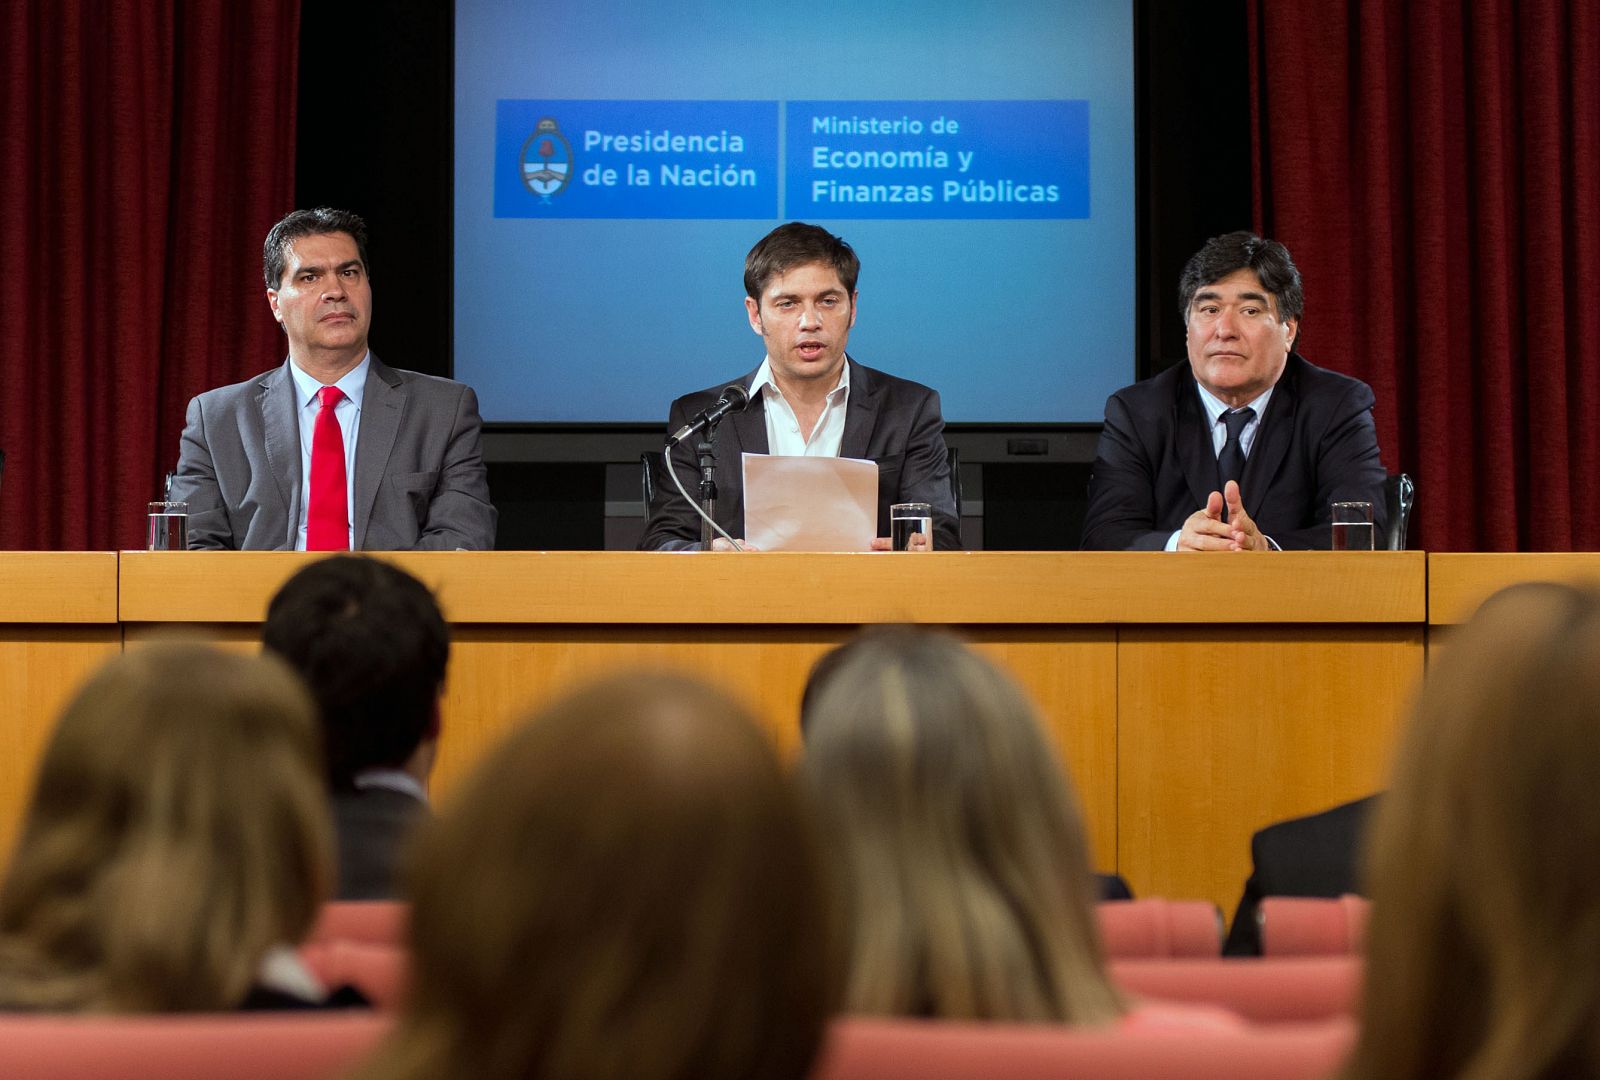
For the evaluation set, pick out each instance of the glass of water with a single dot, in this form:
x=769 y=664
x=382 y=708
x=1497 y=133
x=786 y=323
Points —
x=1352 y=526
x=911 y=526
x=169 y=527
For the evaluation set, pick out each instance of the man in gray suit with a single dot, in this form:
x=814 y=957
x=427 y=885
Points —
x=396 y=464
x=371 y=644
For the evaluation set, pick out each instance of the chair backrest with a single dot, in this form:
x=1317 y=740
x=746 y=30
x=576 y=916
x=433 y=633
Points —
x=1311 y=926
x=381 y=972
x=239 y=1046
x=1399 y=494
x=371 y=922
x=1294 y=989
x=1157 y=929
x=862 y=1049
x=652 y=463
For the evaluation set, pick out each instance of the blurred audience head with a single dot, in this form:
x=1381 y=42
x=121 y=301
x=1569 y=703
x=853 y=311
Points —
x=1484 y=945
x=178 y=832
x=958 y=853
x=370 y=642
x=627 y=888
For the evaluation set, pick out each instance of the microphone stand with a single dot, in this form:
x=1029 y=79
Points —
x=706 y=448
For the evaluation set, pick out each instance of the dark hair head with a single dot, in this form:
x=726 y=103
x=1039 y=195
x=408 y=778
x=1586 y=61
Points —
x=370 y=642
x=798 y=244
x=318 y=222
x=1241 y=250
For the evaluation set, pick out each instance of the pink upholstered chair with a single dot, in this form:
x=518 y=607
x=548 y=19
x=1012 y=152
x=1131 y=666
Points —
x=1301 y=926
x=1293 y=989
x=1154 y=929
x=380 y=972
x=372 y=922
x=861 y=1049
x=239 y=1046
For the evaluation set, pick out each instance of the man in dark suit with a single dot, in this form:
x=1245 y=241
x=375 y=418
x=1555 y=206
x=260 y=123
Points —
x=1315 y=855
x=809 y=398
x=1248 y=445
x=394 y=464
x=370 y=642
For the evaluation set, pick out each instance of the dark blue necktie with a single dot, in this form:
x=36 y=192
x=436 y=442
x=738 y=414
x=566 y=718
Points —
x=1230 y=463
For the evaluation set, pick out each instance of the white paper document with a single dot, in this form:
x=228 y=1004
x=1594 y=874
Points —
x=810 y=503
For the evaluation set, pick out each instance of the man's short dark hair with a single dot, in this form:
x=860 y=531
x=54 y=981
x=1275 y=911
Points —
x=369 y=641
x=798 y=244
x=319 y=222
x=1241 y=250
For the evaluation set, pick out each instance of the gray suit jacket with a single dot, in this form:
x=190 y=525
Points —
x=373 y=827
x=892 y=421
x=420 y=481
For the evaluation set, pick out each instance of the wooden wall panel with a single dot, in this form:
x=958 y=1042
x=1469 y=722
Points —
x=1224 y=730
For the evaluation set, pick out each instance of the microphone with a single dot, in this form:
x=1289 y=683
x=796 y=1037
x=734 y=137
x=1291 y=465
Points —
x=734 y=399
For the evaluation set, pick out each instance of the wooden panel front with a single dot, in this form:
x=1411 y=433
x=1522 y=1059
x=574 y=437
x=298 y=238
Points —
x=1459 y=582
x=698 y=589
x=1222 y=730
x=499 y=675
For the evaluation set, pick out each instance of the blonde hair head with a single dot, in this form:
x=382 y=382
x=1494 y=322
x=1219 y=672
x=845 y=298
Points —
x=178 y=830
x=1483 y=956
x=955 y=839
x=628 y=887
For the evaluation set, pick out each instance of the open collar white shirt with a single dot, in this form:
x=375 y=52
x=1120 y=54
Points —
x=783 y=428
x=348 y=413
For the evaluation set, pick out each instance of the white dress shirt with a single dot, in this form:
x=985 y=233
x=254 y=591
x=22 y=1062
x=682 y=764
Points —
x=1215 y=407
x=348 y=413
x=783 y=429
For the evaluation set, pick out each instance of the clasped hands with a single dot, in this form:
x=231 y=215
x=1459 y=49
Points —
x=1206 y=531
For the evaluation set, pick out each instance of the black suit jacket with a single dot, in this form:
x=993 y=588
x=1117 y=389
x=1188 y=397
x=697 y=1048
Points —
x=1155 y=465
x=894 y=422
x=1316 y=855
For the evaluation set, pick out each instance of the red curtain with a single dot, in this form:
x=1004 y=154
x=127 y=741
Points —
x=1434 y=167
x=146 y=146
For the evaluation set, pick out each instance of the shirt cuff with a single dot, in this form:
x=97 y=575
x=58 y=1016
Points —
x=1172 y=541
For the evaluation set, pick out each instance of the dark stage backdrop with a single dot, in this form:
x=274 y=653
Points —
x=1435 y=169
x=145 y=148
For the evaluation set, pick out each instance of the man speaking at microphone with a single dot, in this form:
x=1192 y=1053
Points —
x=808 y=398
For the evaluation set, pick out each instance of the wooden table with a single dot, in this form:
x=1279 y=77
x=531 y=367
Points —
x=1193 y=700
x=58 y=621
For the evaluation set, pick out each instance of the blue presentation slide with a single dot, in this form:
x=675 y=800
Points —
x=615 y=163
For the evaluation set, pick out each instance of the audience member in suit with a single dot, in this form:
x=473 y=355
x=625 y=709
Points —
x=808 y=397
x=956 y=847
x=1483 y=951
x=412 y=472
x=1315 y=855
x=629 y=887
x=1107 y=886
x=370 y=642
x=1248 y=445
x=176 y=848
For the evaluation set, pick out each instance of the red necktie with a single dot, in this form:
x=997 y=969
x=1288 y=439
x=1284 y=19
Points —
x=327 y=515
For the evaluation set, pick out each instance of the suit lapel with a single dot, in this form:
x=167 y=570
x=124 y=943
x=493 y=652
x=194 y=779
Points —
x=749 y=427
x=382 y=405
x=281 y=430
x=860 y=413
x=1271 y=444
x=1195 y=450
